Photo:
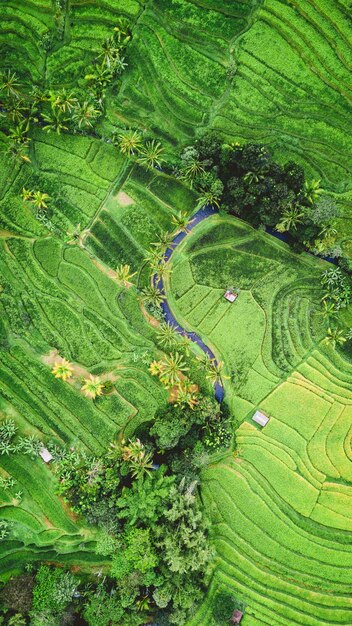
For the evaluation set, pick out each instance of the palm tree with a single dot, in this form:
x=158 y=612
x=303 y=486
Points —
x=110 y=52
x=329 y=310
x=253 y=177
x=9 y=84
x=154 y=257
x=92 y=387
x=16 y=110
x=213 y=369
x=54 y=122
x=181 y=221
x=84 y=115
x=122 y=31
x=312 y=190
x=186 y=396
x=124 y=275
x=63 y=369
x=208 y=198
x=172 y=367
x=290 y=218
x=63 y=101
x=39 y=198
x=192 y=170
x=167 y=334
x=152 y=295
x=156 y=368
x=150 y=154
x=26 y=194
x=163 y=270
x=335 y=337
x=129 y=142
x=141 y=465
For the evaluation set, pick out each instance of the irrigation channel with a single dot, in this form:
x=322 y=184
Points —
x=198 y=217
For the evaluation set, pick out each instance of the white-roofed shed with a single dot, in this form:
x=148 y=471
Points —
x=260 y=418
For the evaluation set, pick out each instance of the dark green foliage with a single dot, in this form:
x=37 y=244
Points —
x=224 y=605
x=52 y=593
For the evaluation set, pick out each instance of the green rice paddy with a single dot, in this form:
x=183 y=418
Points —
x=274 y=72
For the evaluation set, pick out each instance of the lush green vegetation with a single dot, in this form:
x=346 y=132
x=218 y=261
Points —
x=159 y=503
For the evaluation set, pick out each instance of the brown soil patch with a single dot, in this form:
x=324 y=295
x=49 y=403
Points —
x=78 y=371
x=48 y=523
x=150 y=319
x=124 y=199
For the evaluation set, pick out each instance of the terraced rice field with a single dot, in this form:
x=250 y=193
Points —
x=272 y=71
x=61 y=297
x=281 y=508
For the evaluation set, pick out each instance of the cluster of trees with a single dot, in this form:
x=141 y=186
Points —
x=10 y=444
x=132 y=143
x=152 y=529
x=61 y=110
x=245 y=180
x=92 y=386
x=337 y=295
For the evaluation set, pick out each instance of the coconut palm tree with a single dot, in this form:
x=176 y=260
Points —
x=329 y=310
x=156 y=368
x=9 y=84
x=213 y=369
x=122 y=31
x=192 y=170
x=172 y=367
x=152 y=295
x=312 y=190
x=39 y=200
x=186 y=396
x=208 y=198
x=55 y=122
x=335 y=337
x=154 y=257
x=63 y=101
x=129 y=142
x=181 y=221
x=92 y=387
x=124 y=275
x=150 y=154
x=17 y=110
x=163 y=270
x=185 y=344
x=110 y=51
x=290 y=218
x=167 y=334
x=26 y=194
x=63 y=369
x=141 y=465
x=253 y=177
x=84 y=115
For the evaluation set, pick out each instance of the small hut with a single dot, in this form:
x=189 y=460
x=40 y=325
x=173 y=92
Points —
x=260 y=418
x=46 y=455
x=236 y=617
x=230 y=295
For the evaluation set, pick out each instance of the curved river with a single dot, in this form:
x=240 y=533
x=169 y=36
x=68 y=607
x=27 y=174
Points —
x=198 y=217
